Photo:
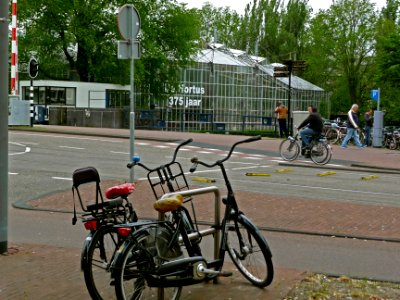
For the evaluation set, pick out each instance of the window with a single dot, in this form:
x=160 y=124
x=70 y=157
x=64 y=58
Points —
x=50 y=95
x=117 y=98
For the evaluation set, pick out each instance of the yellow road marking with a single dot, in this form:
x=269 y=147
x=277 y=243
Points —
x=369 y=177
x=328 y=173
x=203 y=179
x=258 y=174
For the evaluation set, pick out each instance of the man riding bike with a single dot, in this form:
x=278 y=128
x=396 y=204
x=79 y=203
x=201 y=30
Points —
x=314 y=126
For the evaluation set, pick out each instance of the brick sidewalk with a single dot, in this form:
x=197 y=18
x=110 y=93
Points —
x=36 y=272
x=271 y=212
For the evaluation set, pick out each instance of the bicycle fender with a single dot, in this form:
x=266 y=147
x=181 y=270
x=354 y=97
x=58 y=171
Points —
x=249 y=223
x=85 y=250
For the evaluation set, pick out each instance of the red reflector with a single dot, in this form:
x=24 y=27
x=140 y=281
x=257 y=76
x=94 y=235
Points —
x=91 y=225
x=124 y=231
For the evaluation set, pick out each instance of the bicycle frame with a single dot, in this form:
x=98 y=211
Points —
x=232 y=211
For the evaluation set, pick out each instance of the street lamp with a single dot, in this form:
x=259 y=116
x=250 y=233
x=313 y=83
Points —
x=286 y=71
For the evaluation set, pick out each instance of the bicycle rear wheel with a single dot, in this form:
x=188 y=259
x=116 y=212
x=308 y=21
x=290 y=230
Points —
x=289 y=149
x=96 y=262
x=332 y=135
x=320 y=153
x=249 y=252
x=136 y=258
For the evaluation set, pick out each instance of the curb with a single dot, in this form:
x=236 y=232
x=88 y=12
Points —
x=375 y=169
x=109 y=135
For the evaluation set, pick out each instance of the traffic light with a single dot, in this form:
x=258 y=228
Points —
x=33 y=68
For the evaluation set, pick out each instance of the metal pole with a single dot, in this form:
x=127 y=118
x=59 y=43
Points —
x=14 y=52
x=31 y=106
x=290 y=67
x=4 y=6
x=132 y=119
x=379 y=98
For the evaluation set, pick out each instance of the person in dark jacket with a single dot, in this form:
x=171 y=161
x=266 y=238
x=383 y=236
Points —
x=352 y=128
x=368 y=118
x=314 y=126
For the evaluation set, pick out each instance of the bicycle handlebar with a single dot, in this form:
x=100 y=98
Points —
x=195 y=160
x=136 y=159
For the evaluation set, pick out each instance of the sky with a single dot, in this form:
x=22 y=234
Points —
x=239 y=5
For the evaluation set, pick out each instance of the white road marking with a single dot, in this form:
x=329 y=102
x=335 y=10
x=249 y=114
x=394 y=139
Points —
x=116 y=152
x=244 y=168
x=259 y=155
x=111 y=140
x=251 y=157
x=27 y=149
x=10 y=173
x=69 y=147
x=62 y=178
x=162 y=146
x=204 y=152
x=242 y=163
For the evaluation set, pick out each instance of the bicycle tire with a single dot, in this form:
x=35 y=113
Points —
x=254 y=260
x=289 y=149
x=332 y=135
x=320 y=153
x=97 y=261
x=393 y=144
x=137 y=254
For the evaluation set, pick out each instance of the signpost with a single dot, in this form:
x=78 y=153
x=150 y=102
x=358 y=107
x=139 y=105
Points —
x=378 y=120
x=4 y=6
x=375 y=95
x=33 y=70
x=286 y=71
x=129 y=26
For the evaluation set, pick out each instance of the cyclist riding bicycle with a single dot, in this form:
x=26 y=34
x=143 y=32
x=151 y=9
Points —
x=314 y=126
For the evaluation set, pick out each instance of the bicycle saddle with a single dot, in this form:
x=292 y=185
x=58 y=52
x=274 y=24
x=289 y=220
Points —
x=169 y=204
x=120 y=190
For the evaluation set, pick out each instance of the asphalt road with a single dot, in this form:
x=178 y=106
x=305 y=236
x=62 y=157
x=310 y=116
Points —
x=42 y=163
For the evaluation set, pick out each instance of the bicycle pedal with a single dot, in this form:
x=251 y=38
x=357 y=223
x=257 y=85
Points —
x=225 y=274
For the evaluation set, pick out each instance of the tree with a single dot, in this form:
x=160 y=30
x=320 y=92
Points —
x=342 y=45
x=80 y=37
x=388 y=60
x=273 y=30
x=218 y=25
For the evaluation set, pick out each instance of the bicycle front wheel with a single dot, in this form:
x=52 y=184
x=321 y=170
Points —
x=134 y=262
x=289 y=149
x=96 y=263
x=321 y=153
x=249 y=252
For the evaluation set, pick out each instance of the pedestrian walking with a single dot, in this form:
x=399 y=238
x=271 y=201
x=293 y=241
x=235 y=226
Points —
x=282 y=114
x=368 y=125
x=352 y=128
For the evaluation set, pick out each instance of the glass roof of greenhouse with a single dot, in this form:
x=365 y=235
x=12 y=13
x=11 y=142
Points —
x=220 y=55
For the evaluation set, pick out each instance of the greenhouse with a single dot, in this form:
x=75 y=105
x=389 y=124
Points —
x=228 y=90
x=223 y=90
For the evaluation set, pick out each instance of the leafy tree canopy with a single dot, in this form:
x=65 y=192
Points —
x=79 y=38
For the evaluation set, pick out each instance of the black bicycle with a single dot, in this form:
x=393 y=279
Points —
x=319 y=149
x=162 y=179
x=152 y=258
x=99 y=219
